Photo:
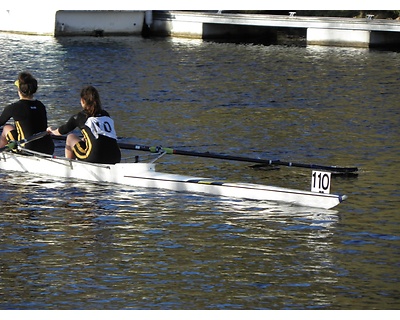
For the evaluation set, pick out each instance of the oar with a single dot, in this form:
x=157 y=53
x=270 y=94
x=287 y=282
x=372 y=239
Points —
x=138 y=147
x=14 y=144
x=238 y=158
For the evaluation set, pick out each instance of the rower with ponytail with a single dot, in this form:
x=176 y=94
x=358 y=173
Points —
x=99 y=143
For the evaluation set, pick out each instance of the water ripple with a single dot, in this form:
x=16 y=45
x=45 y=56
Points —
x=69 y=245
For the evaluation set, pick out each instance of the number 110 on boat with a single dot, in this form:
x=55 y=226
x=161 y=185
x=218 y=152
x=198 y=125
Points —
x=321 y=182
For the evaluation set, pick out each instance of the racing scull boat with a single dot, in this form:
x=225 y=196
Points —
x=145 y=175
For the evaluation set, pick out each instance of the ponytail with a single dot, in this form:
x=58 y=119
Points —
x=91 y=97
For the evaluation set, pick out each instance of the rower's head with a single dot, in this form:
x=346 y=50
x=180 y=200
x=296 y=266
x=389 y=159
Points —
x=27 y=84
x=90 y=100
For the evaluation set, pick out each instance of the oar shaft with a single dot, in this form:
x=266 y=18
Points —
x=263 y=161
x=34 y=137
x=138 y=147
x=238 y=158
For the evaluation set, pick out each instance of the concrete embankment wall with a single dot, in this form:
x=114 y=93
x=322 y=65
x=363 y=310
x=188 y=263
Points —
x=98 y=23
x=277 y=29
x=57 y=19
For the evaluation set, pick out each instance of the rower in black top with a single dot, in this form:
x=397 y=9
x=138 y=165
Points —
x=29 y=115
x=99 y=143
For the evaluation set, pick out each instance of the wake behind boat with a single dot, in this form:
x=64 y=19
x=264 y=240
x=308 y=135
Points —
x=145 y=175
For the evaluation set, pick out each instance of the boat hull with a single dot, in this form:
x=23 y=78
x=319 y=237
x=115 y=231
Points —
x=145 y=175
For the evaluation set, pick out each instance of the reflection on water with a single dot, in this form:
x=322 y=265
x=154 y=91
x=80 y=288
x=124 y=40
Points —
x=79 y=245
x=92 y=244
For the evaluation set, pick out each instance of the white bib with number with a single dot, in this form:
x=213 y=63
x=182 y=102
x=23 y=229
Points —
x=101 y=126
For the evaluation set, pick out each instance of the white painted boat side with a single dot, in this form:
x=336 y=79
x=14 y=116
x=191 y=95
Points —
x=145 y=175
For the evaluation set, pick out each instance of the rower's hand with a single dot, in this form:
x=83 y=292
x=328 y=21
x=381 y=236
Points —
x=12 y=145
x=50 y=130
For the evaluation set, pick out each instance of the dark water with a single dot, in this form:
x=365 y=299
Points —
x=74 y=245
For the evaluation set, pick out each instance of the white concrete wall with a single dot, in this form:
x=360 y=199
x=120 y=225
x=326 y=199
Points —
x=337 y=37
x=188 y=29
x=29 y=20
x=349 y=32
x=108 y=22
x=178 y=28
x=39 y=16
